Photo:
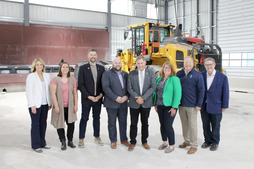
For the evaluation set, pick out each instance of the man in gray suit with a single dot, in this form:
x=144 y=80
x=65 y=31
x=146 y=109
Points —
x=141 y=85
x=114 y=84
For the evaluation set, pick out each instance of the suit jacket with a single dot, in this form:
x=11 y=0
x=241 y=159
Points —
x=112 y=88
x=217 y=97
x=86 y=82
x=147 y=92
x=34 y=89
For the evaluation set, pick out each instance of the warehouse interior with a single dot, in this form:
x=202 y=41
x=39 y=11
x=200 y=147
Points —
x=64 y=29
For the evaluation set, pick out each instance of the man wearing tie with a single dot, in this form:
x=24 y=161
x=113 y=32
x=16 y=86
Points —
x=114 y=84
x=215 y=102
x=141 y=85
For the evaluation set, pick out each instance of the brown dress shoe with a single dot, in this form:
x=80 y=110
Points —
x=113 y=145
x=126 y=143
x=131 y=147
x=146 y=146
x=192 y=150
x=184 y=144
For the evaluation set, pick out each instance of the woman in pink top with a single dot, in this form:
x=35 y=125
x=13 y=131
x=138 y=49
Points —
x=64 y=95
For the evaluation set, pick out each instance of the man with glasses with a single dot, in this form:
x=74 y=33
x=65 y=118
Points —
x=215 y=102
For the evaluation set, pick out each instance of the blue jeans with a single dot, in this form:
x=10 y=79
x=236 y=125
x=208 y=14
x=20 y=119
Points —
x=121 y=114
x=38 y=126
x=96 y=108
x=211 y=126
x=166 y=121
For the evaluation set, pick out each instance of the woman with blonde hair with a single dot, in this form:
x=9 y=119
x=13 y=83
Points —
x=64 y=95
x=167 y=98
x=38 y=98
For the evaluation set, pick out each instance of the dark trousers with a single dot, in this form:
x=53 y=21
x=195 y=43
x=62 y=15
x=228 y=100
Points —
x=166 y=121
x=70 y=128
x=211 y=126
x=38 y=126
x=121 y=114
x=96 y=109
x=144 y=112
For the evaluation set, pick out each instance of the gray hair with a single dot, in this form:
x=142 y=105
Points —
x=189 y=57
x=209 y=59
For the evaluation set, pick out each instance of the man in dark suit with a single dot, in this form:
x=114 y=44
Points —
x=89 y=83
x=114 y=84
x=141 y=85
x=215 y=102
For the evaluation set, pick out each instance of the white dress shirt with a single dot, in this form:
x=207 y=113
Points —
x=210 y=79
x=34 y=90
x=141 y=78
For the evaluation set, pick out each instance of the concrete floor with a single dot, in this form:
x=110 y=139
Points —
x=235 y=150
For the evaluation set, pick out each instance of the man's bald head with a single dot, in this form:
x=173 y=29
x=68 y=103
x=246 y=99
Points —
x=117 y=64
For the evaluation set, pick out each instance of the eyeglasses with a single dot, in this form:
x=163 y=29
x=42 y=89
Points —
x=167 y=68
x=207 y=65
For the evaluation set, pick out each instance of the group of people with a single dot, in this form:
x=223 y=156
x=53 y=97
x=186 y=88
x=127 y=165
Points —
x=186 y=92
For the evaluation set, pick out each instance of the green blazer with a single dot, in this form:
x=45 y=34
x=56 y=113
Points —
x=172 y=93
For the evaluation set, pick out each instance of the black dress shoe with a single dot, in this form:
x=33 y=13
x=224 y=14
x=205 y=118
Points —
x=214 y=147
x=63 y=146
x=205 y=145
x=70 y=144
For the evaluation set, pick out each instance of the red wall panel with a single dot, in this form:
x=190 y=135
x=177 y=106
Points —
x=20 y=45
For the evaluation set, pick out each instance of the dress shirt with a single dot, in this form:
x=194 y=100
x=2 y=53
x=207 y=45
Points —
x=210 y=79
x=120 y=77
x=141 y=78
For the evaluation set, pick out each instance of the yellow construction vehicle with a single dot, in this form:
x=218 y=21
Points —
x=163 y=42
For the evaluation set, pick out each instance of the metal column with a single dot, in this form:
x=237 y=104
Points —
x=26 y=12
x=211 y=21
x=109 y=27
x=166 y=12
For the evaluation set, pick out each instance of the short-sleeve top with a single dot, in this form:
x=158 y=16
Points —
x=65 y=89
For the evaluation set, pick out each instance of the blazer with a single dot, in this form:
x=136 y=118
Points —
x=34 y=89
x=172 y=92
x=147 y=92
x=58 y=120
x=86 y=82
x=217 y=97
x=112 y=88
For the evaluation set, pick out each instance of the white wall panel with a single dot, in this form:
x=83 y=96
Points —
x=203 y=6
x=235 y=26
x=139 y=9
x=118 y=41
x=11 y=11
x=65 y=16
x=120 y=20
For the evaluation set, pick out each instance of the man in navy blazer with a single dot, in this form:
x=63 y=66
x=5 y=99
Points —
x=141 y=85
x=89 y=84
x=114 y=84
x=215 y=102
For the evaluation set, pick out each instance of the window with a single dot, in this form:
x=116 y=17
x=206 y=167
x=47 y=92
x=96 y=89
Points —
x=164 y=32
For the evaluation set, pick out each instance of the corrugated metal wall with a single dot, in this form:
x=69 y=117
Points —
x=236 y=26
x=69 y=17
x=235 y=36
x=187 y=15
x=11 y=11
